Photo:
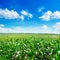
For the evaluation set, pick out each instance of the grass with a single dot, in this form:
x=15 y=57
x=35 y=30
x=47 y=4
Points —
x=29 y=47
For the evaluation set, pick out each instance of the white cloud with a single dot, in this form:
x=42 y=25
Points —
x=57 y=27
x=50 y=15
x=2 y=25
x=11 y=14
x=56 y=15
x=8 y=14
x=52 y=29
x=25 y=13
x=19 y=30
x=40 y=9
x=42 y=29
x=11 y=30
x=32 y=29
x=22 y=17
x=45 y=29
x=46 y=16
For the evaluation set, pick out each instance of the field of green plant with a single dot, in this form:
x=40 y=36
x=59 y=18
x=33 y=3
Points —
x=29 y=47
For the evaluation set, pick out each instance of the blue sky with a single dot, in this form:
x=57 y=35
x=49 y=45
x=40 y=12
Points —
x=30 y=16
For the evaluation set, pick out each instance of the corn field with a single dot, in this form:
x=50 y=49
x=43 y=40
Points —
x=29 y=47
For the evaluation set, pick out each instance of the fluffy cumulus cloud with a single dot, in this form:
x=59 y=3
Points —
x=22 y=17
x=19 y=30
x=50 y=15
x=45 y=29
x=57 y=27
x=33 y=29
x=52 y=29
x=11 y=30
x=8 y=14
x=2 y=25
x=46 y=16
x=56 y=15
x=25 y=13
x=40 y=9
x=11 y=14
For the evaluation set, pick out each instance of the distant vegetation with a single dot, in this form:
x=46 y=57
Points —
x=29 y=47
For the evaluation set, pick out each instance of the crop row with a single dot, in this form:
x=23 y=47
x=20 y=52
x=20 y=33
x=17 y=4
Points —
x=30 y=49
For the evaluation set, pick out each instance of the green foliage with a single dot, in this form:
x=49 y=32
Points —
x=29 y=47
